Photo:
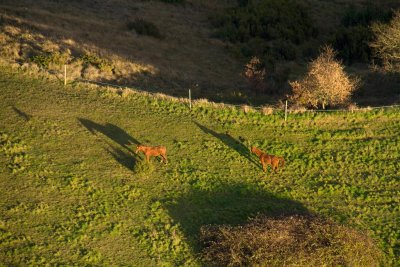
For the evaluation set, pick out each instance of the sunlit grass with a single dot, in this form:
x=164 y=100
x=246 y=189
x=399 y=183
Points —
x=74 y=192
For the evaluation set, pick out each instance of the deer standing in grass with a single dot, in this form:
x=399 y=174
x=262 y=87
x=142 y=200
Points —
x=153 y=151
x=266 y=159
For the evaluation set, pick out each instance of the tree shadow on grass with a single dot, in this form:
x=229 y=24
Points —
x=119 y=136
x=231 y=142
x=227 y=204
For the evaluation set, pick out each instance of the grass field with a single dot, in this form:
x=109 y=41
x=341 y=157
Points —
x=73 y=192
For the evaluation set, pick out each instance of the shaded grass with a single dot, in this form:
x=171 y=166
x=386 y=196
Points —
x=85 y=198
x=226 y=203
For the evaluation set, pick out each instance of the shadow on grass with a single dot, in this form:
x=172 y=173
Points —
x=119 y=136
x=122 y=157
x=227 y=204
x=25 y=116
x=110 y=130
x=231 y=142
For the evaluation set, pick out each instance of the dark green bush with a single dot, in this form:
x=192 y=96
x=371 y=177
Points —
x=144 y=27
x=173 y=1
x=45 y=59
x=353 y=43
x=285 y=50
x=271 y=30
x=100 y=63
x=370 y=13
x=353 y=38
x=2 y=20
x=271 y=27
x=269 y=20
x=42 y=60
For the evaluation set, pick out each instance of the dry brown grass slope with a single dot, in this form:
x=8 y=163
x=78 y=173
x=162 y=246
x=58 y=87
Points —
x=186 y=56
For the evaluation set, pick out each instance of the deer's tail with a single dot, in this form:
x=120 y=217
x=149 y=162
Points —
x=282 y=160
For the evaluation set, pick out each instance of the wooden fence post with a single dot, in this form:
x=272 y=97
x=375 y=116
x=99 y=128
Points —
x=190 y=100
x=286 y=111
x=65 y=74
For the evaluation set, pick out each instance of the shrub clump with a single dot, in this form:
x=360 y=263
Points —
x=255 y=74
x=326 y=83
x=295 y=240
x=143 y=167
x=271 y=28
x=55 y=58
x=144 y=27
x=94 y=60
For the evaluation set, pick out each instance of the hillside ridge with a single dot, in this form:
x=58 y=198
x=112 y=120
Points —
x=97 y=41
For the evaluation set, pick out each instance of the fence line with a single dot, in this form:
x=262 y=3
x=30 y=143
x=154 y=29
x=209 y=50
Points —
x=221 y=103
x=240 y=106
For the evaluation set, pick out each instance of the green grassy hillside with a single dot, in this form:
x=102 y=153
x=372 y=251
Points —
x=74 y=192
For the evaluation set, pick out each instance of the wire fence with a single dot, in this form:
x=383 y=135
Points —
x=244 y=105
x=189 y=100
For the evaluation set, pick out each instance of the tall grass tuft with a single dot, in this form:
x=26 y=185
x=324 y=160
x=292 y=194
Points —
x=142 y=167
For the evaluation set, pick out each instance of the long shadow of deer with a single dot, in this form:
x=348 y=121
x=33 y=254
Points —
x=117 y=135
x=23 y=115
x=231 y=142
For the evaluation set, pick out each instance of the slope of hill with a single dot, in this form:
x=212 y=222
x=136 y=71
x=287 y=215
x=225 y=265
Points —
x=74 y=192
x=184 y=57
x=98 y=40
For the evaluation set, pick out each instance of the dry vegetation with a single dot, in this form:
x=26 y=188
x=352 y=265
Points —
x=387 y=44
x=326 y=83
x=170 y=51
x=185 y=56
x=288 y=241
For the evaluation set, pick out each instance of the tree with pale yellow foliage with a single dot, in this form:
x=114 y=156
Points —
x=386 y=46
x=326 y=83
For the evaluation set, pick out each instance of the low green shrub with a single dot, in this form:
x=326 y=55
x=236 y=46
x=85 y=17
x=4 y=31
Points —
x=44 y=60
x=100 y=63
x=143 y=167
x=15 y=151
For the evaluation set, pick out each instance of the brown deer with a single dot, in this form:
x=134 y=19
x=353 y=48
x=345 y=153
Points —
x=268 y=159
x=153 y=151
